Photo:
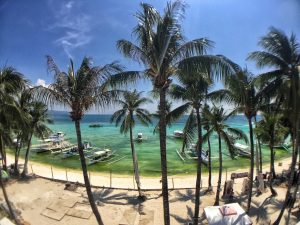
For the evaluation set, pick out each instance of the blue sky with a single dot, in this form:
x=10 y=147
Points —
x=32 y=29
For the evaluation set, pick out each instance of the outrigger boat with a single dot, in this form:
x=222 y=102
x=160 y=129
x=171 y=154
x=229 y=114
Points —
x=242 y=150
x=191 y=153
x=98 y=156
x=73 y=151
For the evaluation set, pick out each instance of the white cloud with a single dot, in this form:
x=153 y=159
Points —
x=41 y=82
x=75 y=25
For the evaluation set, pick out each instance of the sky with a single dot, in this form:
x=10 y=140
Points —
x=65 y=29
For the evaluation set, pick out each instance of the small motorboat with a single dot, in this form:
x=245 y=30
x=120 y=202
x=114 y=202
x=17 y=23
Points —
x=139 y=137
x=178 y=134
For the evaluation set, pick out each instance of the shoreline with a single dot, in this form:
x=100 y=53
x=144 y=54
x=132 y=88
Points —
x=121 y=181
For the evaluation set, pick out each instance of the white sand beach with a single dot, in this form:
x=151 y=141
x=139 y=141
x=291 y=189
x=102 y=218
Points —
x=39 y=199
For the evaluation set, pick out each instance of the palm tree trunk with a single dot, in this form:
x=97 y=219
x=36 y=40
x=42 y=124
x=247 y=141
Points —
x=85 y=174
x=209 y=165
x=135 y=161
x=251 y=164
x=16 y=165
x=198 y=180
x=292 y=172
x=259 y=148
x=12 y=214
x=3 y=153
x=220 y=171
x=25 y=169
x=163 y=154
x=272 y=170
x=295 y=108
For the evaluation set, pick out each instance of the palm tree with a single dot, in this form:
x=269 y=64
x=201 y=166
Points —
x=11 y=82
x=192 y=90
x=160 y=47
x=282 y=53
x=271 y=131
x=206 y=125
x=217 y=118
x=243 y=92
x=11 y=211
x=37 y=127
x=79 y=91
x=131 y=106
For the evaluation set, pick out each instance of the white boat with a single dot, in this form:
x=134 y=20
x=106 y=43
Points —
x=99 y=156
x=139 y=137
x=58 y=137
x=242 y=150
x=178 y=134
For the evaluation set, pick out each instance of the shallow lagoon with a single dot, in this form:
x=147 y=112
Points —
x=148 y=150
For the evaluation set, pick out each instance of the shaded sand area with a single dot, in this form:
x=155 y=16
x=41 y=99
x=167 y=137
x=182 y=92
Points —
x=43 y=201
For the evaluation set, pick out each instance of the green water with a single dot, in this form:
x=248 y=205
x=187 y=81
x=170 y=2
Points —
x=147 y=151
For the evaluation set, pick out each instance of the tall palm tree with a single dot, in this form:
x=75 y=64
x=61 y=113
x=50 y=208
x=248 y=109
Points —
x=131 y=106
x=217 y=118
x=271 y=131
x=80 y=91
x=37 y=127
x=11 y=82
x=243 y=92
x=160 y=47
x=192 y=90
x=282 y=53
x=206 y=125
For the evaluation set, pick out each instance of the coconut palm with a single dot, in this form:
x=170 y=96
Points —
x=192 y=90
x=217 y=118
x=131 y=108
x=80 y=91
x=206 y=126
x=271 y=131
x=242 y=91
x=11 y=82
x=282 y=53
x=20 y=125
x=37 y=127
x=160 y=47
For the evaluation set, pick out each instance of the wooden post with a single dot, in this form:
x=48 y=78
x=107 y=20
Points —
x=52 y=172
x=226 y=173
x=31 y=168
x=66 y=174
x=133 y=181
x=110 y=178
x=90 y=177
x=173 y=182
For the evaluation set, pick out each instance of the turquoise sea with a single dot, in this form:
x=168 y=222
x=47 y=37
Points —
x=147 y=151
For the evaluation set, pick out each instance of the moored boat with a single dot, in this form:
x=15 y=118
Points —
x=242 y=150
x=139 y=137
x=93 y=125
x=99 y=156
x=178 y=134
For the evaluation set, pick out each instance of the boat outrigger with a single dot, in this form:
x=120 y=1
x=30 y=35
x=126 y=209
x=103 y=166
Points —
x=242 y=150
